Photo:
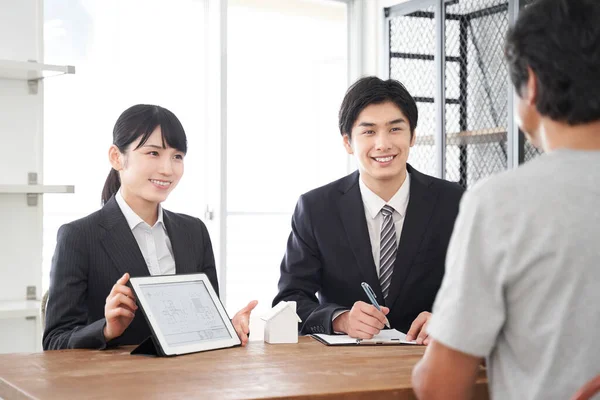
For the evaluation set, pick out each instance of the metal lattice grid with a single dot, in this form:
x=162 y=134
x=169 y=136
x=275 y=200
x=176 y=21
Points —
x=476 y=86
x=412 y=48
x=529 y=151
x=476 y=124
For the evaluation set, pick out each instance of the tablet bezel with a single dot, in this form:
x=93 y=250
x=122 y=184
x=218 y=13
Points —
x=137 y=282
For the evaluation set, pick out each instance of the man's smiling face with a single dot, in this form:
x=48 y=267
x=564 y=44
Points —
x=380 y=140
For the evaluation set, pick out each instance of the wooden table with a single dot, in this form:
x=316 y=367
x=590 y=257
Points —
x=307 y=370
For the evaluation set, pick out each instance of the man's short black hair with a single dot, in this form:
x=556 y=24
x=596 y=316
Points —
x=372 y=90
x=560 y=41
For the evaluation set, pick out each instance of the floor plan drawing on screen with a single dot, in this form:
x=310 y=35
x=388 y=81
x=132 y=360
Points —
x=185 y=312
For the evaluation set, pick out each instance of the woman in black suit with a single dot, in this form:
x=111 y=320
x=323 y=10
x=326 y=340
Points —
x=89 y=302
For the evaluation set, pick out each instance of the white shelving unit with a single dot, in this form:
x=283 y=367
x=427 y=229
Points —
x=31 y=70
x=20 y=323
x=20 y=309
x=26 y=315
x=37 y=189
x=33 y=190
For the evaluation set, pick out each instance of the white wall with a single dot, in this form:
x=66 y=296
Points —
x=373 y=39
x=21 y=134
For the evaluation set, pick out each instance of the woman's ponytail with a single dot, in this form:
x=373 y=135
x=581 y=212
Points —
x=111 y=186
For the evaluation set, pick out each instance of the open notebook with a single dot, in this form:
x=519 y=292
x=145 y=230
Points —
x=385 y=337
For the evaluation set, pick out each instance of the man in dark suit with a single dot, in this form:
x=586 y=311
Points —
x=386 y=224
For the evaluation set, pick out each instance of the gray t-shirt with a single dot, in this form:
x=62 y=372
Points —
x=522 y=283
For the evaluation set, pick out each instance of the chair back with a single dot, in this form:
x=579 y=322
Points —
x=43 y=309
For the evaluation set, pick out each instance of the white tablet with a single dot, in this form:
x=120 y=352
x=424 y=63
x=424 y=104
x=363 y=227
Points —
x=184 y=313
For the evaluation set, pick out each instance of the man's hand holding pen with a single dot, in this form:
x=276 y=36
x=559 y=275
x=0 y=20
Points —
x=363 y=321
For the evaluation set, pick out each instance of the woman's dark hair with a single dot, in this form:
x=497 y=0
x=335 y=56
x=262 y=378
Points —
x=372 y=90
x=560 y=41
x=142 y=120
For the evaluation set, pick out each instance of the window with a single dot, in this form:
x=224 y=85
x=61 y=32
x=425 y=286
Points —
x=287 y=75
x=125 y=52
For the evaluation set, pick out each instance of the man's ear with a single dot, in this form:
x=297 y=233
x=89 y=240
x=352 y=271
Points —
x=115 y=157
x=413 y=138
x=348 y=144
x=530 y=92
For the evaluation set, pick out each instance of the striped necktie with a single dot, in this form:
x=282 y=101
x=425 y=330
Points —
x=387 y=249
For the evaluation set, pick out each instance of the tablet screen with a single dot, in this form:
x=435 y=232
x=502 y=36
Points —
x=185 y=312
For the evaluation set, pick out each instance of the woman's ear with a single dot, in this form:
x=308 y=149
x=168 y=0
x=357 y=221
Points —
x=115 y=157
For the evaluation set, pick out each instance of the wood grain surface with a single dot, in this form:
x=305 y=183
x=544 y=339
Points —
x=307 y=370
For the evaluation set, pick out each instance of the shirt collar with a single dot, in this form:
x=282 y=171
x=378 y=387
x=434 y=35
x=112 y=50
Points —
x=373 y=203
x=132 y=218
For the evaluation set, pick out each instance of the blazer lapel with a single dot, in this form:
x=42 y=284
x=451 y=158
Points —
x=352 y=214
x=119 y=242
x=181 y=243
x=418 y=213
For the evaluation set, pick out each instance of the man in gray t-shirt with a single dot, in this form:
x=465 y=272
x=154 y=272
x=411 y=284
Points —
x=522 y=282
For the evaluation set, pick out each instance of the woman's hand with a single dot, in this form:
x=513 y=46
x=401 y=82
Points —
x=119 y=309
x=241 y=321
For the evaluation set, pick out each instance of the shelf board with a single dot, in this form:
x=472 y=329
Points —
x=31 y=71
x=19 y=309
x=25 y=189
x=479 y=136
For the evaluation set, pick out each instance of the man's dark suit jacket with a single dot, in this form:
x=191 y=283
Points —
x=91 y=255
x=329 y=252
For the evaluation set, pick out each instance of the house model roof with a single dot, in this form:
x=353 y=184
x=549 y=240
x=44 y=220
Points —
x=282 y=305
